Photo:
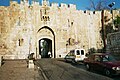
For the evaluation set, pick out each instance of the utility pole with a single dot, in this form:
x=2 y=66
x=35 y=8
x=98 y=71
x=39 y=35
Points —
x=103 y=30
x=103 y=26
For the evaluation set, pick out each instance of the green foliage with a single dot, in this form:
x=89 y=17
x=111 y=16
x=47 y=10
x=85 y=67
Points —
x=117 y=22
x=109 y=27
x=92 y=50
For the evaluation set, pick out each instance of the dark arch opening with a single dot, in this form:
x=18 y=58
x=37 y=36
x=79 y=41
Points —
x=46 y=27
x=45 y=46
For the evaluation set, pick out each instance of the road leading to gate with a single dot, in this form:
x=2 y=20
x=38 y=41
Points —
x=56 y=69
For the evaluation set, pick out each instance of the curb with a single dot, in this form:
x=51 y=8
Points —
x=42 y=72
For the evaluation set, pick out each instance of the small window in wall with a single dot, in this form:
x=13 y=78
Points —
x=45 y=18
x=19 y=22
x=48 y=18
x=71 y=23
x=21 y=42
x=45 y=12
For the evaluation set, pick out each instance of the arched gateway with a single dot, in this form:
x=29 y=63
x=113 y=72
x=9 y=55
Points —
x=45 y=42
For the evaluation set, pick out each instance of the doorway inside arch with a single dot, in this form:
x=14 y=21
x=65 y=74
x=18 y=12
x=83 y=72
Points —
x=45 y=46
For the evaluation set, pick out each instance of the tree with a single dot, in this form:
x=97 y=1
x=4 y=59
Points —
x=100 y=5
x=117 y=22
x=92 y=50
x=109 y=26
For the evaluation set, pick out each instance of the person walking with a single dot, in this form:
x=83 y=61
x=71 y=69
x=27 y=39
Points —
x=49 y=53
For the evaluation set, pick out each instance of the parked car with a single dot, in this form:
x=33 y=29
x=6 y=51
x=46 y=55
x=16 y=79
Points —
x=75 y=55
x=103 y=62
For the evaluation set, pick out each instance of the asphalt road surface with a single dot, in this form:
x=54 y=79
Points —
x=58 y=69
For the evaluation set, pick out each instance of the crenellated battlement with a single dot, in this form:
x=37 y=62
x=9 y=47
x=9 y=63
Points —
x=54 y=5
x=87 y=12
x=63 y=5
x=72 y=6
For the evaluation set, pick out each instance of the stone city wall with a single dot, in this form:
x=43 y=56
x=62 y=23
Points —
x=23 y=25
x=113 y=41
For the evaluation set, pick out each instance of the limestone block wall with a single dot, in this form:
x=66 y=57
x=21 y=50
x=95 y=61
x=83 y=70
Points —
x=83 y=29
x=23 y=25
x=64 y=21
x=8 y=19
x=113 y=41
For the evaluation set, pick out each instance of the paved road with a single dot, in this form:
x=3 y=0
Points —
x=57 y=69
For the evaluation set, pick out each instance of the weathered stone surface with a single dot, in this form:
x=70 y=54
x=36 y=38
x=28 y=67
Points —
x=23 y=25
x=113 y=47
